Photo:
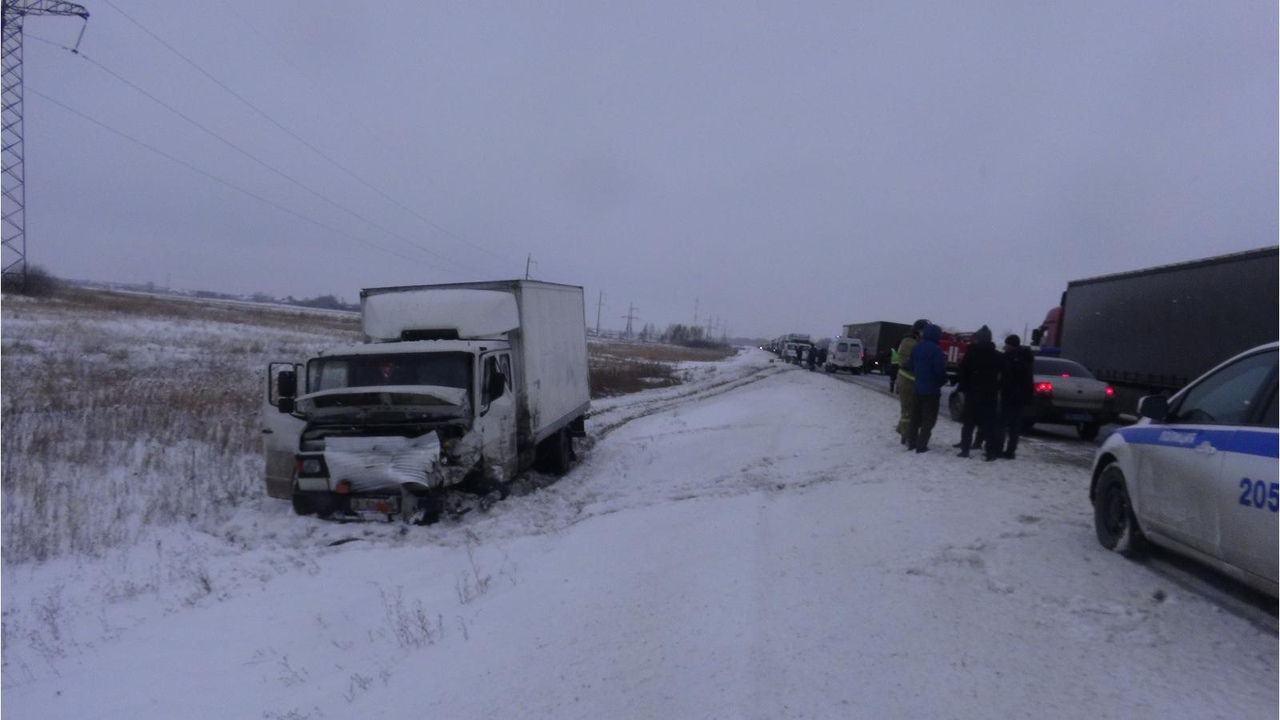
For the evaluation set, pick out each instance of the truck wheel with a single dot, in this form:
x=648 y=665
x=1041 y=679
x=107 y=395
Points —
x=956 y=406
x=432 y=506
x=1087 y=431
x=556 y=453
x=1113 y=518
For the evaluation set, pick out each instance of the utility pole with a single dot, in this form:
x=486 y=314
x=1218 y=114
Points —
x=14 y=241
x=695 y=312
x=599 y=306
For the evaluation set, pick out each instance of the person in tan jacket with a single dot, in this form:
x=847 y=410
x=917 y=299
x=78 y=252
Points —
x=906 y=380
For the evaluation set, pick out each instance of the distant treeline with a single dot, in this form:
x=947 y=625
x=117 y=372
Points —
x=40 y=282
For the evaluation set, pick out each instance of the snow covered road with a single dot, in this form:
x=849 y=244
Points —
x=752 y=544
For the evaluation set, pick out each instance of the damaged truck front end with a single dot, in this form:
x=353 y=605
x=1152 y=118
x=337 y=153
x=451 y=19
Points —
x=387 y=434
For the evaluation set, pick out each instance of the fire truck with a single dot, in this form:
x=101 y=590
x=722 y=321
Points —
x=954 y=345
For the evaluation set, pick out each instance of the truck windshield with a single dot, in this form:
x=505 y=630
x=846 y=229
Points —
x=440 y=369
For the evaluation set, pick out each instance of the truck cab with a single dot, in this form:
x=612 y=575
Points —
x=379 y=426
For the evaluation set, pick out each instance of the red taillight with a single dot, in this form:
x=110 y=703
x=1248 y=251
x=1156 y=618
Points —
x=1044 y=388
x=343 y=488
x=1110 y=391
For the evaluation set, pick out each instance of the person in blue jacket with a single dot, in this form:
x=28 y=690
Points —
x=929 y=366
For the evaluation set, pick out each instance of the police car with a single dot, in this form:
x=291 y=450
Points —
x=1198 y=473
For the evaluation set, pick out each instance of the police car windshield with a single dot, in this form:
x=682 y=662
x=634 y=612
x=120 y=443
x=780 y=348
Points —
x=1060 y=367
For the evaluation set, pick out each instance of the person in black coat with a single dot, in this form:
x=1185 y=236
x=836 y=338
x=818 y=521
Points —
x=980 y=374
x=1017 y=389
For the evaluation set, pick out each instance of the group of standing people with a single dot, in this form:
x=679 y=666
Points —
x=996 y=386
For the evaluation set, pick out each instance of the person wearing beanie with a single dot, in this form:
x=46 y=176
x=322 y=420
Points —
x=928 y=364
x=980 y=373
x=905 y=381
x=1017 y=389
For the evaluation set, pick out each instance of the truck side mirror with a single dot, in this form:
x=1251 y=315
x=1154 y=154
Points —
x=497 y=385
x=287 y=384
x=1155 y=407
x=285 y=405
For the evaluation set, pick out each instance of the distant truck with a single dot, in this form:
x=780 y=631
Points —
x=879 y=339
x=458 y=387
x=792 y=346
x=1152 y=331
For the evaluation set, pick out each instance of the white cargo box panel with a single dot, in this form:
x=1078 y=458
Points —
x=553 y=345
x=474 y=314
x=548 y=333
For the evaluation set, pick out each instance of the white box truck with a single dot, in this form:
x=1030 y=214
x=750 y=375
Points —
x=457 y=388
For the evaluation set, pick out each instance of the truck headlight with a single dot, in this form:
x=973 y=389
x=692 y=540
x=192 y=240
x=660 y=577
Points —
x=311 y=467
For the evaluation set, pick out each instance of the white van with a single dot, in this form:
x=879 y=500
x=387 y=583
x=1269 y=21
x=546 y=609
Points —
x=845 y=354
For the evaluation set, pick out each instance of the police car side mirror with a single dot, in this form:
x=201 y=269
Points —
x=1155 y=407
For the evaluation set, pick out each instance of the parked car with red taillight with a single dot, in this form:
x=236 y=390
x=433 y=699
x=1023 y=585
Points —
x=1065 y=394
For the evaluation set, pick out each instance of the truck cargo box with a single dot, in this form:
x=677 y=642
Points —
x=545 y=323
x=1156 y=329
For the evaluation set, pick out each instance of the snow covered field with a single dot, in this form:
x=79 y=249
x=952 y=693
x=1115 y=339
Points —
x=753 y=543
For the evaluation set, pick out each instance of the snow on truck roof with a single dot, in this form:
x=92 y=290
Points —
x=416 y=346
x=473 y=313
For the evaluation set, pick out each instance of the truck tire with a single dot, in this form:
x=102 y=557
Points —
x=1113 y=520
x=432 y=506
x=556 y=453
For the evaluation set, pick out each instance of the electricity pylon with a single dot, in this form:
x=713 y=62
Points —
x=14 y=214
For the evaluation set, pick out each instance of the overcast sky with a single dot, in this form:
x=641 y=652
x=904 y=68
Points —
x=777 y=167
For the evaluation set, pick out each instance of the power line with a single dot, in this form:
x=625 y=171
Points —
x=219 y=180
x=372 y=133
x=266 y=165
x=293 y=135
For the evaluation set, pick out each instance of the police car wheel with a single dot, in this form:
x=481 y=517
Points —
x=1116 y=527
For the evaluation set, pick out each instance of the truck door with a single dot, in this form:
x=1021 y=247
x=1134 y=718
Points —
x=497 y=416
x=281 y=430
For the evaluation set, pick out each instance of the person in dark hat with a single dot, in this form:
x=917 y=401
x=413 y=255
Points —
x=906 y=380
x=980 y=373
x=1017 y=389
